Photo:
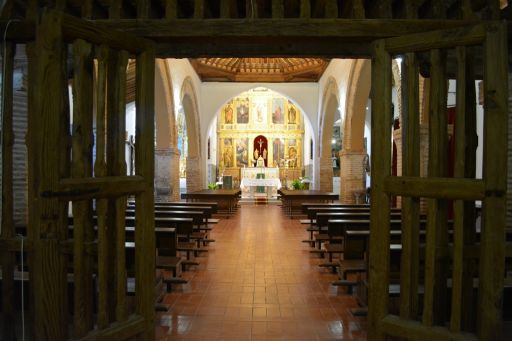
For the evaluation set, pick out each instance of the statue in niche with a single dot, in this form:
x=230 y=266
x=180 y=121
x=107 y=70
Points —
x=292 y=115
x=228 y=115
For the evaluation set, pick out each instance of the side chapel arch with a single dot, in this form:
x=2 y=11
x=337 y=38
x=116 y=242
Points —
x=353 y=153
x=166 y=152
x=190 y=108
x=330 y=104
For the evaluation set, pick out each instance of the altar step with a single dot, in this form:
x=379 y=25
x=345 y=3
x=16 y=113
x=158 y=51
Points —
x=259 y=201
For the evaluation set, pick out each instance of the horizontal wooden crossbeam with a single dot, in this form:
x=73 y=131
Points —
x=442 y=188
x=415 y=331
x=101 y=187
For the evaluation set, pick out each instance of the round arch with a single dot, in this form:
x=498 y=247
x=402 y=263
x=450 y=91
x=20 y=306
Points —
x=166 y=153
x=329 y=108
x=190 y=107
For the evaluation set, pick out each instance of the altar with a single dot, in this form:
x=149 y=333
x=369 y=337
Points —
x=254 y=178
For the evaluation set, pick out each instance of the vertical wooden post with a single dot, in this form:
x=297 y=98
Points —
x=494 y=9
x=380 y=214
x=492 y=237
x=410 y=264
x=32 y=227
x=119 y=166
x=100 y=170
x=171 y=9
x=331 y=9
x=277 y=9
x=144 y=166
x=227 y=9
x=437 y=235
x=49 y=272
x=143 y=7
x=305 y=9
x=82 y=167
x=116 y=90
x=358 y=9
x=198 y=9
x=7 y=257
x=385 y=9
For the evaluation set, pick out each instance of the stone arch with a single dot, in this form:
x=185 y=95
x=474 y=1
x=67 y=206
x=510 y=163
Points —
x=191 y=110
x=329 y=108
x=352 y=175
x=166 y=153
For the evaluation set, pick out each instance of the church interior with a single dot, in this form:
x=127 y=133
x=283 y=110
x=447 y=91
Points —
x=256 y=170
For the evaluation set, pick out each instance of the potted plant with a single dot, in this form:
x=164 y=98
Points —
x=297 y=184
x=213 y=186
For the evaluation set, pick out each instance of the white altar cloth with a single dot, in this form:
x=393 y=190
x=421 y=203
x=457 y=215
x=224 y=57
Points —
x=260 y=182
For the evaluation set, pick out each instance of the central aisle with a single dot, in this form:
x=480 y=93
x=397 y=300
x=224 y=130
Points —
x=259 y=282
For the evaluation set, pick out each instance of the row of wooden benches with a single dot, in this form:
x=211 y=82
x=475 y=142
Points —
x=181 y=233
x=344 y=230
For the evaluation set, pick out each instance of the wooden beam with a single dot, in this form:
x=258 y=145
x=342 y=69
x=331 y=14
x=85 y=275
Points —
x=492 y=238
x=143 y=8
x=413 y=330
x=331 y=9
x=81 y=167
x=100 y=170
x=360 y=30
x=435 y=187
x=435 y=308
x=305 y=9
x=171 y=8
x=439 y=39
x=7 y=258
x=199 y=9
x=381 y=160
x=409 y=278
x=130 y=328
x=144 y=166
x=277 y=9
x=49 y=272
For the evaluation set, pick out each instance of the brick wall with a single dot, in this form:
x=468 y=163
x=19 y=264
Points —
x=326 y=174
x=351 y=175
x=194 y=179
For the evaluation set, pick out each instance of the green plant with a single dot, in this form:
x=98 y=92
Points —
x=297 y=184
x=213 y=186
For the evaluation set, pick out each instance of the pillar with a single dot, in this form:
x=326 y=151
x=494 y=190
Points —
x=352 y=175
x=326 y=174
x=194 y=180
x=167 y=181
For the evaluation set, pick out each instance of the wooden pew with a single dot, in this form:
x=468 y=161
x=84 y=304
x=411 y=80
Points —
x=289 y=197
x=227 y=199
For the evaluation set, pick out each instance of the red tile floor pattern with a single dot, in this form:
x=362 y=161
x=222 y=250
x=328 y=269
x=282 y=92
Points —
x=259 y=282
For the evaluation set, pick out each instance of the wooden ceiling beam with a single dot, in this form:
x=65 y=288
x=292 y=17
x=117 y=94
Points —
x=355 y=30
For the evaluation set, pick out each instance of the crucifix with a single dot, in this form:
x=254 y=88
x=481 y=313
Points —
x=260 y=142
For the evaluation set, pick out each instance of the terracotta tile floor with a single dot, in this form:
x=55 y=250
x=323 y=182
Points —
x=259 y=282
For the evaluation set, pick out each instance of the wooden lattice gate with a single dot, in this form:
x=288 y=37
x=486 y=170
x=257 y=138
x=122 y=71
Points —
x=427 y=268
x=78 y=277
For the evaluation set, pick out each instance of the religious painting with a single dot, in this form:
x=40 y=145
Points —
x=292 y=142
x=259 y=111
x=278 y=110
x=292 y=113
x=242 y=111
x=228 y=113
x=292 y=157
x=278 y=152
x=241 y=152
x=227 y=153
